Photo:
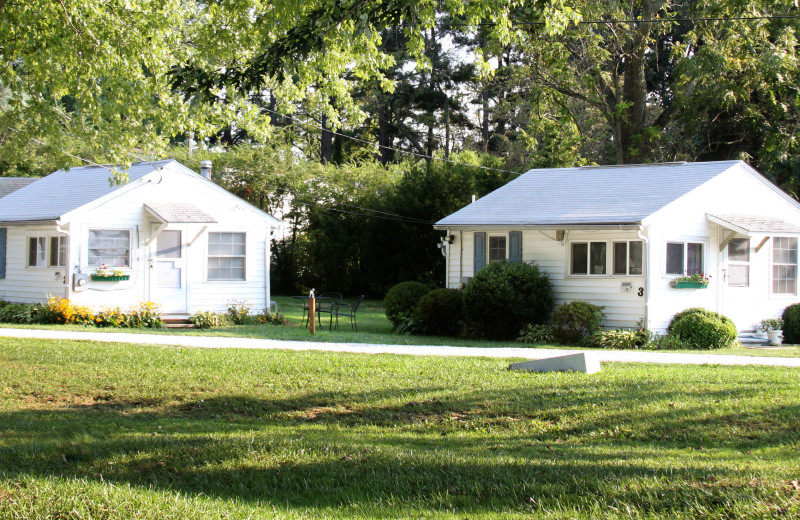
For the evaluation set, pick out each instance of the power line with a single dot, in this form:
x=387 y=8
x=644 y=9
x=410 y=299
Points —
x=398 y=150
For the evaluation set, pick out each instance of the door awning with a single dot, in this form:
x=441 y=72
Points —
x=754 y=225
x=178 y=213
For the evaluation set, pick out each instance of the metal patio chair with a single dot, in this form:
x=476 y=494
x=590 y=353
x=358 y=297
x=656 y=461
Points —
x=347 y=309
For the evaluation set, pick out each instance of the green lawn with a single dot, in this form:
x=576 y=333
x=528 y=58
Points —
x=116 y=431
x=373 y=327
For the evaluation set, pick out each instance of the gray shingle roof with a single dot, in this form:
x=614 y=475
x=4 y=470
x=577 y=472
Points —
x=65 y=190
x=11 y=184
x=179 y=212
x=586 y=195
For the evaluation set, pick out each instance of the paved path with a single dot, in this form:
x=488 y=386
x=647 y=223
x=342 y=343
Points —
x=414 y=350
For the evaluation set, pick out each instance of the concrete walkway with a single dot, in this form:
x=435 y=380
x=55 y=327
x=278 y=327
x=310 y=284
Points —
x=414 y=350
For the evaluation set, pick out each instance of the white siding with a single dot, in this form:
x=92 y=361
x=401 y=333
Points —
x=736 y=191
x=622 y=309
x=29 y=284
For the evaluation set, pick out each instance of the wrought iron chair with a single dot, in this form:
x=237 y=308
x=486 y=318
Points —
x=325 y=303
x=347 y=309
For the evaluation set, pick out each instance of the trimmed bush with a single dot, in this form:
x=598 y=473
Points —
x=504 y=297
x=699 y=328
x=402 y=300
x=575 y=320
x=442 y=311
x=791 y=324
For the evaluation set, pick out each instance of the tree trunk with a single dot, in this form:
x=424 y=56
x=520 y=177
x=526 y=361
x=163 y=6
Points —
x=326 y=142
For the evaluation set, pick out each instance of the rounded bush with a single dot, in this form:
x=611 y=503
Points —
x=702 y=329
x=504 y=297
x=791 y=324
x=575 y=320
x=402 y=300
x=441 y=311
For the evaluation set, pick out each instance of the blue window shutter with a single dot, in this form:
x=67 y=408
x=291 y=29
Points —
x=515 y=246
x=3 y=233
x=480 y=251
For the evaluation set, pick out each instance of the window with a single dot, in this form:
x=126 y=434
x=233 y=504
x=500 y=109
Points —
x=588 y=258
x=497 y=248
x=58 y=252
x=37 y=252
x=685 y=258
x=226 y=256
x=784 y=265
x=739 y=262
x=628 y=257
x=110 y=247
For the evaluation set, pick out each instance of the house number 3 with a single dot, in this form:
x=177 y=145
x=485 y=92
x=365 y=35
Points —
x=641 y=291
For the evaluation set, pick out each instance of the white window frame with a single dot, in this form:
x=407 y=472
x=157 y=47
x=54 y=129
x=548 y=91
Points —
x=489 y=238
x=209 y=256
x=43 y=251
x=627 y=257
x=41 y=256
x=685 y=244
x=743 y=263
x=772 y=265
x=128 y=264
x=588 y=244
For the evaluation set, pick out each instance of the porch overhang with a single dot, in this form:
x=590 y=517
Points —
x=176 y=213
x=753 y=226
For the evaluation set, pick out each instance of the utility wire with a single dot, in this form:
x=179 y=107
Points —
x=623 y=21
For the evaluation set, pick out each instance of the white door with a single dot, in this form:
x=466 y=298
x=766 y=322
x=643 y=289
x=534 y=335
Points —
x=738 y=295
x=168 y=272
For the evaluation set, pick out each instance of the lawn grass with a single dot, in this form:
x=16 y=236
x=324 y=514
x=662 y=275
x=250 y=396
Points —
x=113 y=431
x=373 y=327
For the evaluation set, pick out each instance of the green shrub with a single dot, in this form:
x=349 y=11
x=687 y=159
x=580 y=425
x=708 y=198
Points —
x=617 y=339
x=442 y=311
x=575 y=320
x=410 y=325
x=203 y=319
x=699 y=328
x=791 y=324
x=265 y=317
x=20 y=313
x=536 y=334
x=402 y=300
x=504 y=297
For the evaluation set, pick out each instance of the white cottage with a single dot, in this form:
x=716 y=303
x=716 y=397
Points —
x=617 y=236
x=174 y=237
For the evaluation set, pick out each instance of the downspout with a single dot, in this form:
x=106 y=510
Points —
x=461 y=255
x=267 y=301
x=647 y=277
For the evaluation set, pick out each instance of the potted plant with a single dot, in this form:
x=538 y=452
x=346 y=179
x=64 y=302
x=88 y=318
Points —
x=694 y=281
x=773 y=327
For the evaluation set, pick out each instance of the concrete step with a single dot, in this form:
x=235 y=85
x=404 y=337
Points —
x=749 y=339
x=177 y=323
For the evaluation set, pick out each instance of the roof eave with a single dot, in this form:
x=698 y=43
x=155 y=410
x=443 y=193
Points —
x=575 y=225
x=50 y=221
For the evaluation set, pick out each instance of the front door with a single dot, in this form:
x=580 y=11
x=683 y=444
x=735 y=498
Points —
x=737 y=298
x=168 y=274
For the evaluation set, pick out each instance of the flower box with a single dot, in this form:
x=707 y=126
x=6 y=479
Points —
x=100 y=278
x=689 y=285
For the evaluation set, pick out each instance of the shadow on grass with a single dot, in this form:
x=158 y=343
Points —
x=483 y=450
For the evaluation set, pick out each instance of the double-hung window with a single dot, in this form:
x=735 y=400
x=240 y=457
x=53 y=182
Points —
x=497 y=248
x=628 y=256
x=784 y=265
x=685 y=258
x=37 y=252
x=58 y=252
x=109 y=247
x=588 y=258
x=226 y=256
x=739 y=262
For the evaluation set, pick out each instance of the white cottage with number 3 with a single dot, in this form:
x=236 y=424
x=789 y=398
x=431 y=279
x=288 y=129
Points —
x=169 y=236
x=619 y=236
